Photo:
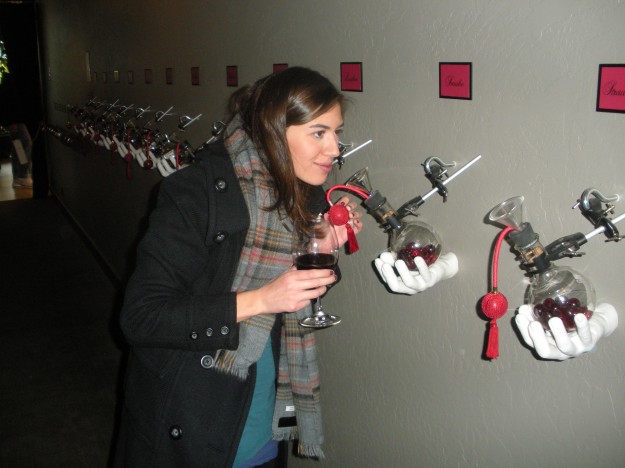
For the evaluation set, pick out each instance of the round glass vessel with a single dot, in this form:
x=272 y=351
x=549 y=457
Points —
x=415 y=239
x=561 y=292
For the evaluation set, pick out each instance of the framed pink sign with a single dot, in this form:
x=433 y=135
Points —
x=147 y=75
x=611 y=88
x=232 y=76
x=195 y=76
x=278 y=67
x=351 y=76
x=455 y=80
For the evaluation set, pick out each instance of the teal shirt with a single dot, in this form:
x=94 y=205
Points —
x=257 y=431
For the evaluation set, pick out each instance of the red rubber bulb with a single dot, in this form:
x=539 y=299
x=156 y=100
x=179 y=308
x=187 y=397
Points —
x=148 y=164
x=494 y=305
x=339 y=215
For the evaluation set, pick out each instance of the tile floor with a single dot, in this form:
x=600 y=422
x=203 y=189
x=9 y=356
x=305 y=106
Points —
x=7 y=192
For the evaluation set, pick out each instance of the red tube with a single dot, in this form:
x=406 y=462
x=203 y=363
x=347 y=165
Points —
x=500 y=239
x=348 y=188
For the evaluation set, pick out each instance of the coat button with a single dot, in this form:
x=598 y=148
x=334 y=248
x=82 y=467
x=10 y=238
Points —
x=220 y=237
x=224 y=330
x=207 y=361
x=193 y=335
x=209 y=332
x=221 y=185
x=175 y=432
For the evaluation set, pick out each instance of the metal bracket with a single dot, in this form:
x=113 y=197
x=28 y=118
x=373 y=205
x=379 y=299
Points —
x=345 y=150
x=591 y=205
x=436 y=171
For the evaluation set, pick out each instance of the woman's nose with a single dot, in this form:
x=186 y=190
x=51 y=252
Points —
x=332 y=146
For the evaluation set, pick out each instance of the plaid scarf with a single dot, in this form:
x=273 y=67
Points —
x=267 y=254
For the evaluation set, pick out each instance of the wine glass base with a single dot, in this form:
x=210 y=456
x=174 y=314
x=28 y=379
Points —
x=320 y=321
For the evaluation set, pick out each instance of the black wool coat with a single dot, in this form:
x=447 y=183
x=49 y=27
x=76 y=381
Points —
x=178 y=311
x=178 y=411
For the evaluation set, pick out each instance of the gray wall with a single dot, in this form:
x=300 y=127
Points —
x=403 y=380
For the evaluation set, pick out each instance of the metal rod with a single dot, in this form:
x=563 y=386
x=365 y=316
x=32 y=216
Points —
x=452 y=177
x=189 y=122
x=163 y=114
x=352 y=151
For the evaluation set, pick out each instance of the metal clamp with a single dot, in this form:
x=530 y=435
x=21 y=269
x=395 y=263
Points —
x=184 y=121
x=436 y=171
x=345 y=150
x=591 y=205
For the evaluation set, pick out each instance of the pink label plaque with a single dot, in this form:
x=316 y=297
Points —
x=195 y=76
x=455 y=80
x=611 y=88
x=278 y=67
x=232 y=76
x=351 y=76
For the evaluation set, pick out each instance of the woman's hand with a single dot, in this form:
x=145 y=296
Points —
x=289 y=292
x=354 y=220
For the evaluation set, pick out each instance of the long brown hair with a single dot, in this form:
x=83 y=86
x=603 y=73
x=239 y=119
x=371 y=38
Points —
x=294 y=96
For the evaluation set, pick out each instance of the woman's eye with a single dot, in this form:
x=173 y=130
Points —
x=319 y=134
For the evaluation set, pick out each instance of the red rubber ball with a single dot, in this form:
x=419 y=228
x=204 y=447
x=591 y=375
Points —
x=494 y=305
x=339 y=215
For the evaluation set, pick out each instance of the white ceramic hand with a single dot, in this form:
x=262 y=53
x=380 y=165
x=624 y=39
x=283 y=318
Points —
x=140 y=157
x=164 y=168
x=560 y=345
x=401 y=280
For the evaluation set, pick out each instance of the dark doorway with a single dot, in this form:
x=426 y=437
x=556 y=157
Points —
x=20 y=90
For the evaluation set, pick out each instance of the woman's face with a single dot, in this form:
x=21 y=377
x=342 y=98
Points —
x=314 y=145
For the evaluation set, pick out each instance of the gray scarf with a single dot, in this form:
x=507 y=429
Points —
x=267 y=254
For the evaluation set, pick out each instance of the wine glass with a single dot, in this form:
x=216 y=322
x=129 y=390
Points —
x=315 y=246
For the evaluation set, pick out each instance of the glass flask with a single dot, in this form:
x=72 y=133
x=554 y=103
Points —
x=562 y=292
x=414 y=239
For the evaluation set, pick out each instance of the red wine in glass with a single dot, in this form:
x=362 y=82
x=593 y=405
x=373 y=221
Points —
x=316 y=248
x=316 y=261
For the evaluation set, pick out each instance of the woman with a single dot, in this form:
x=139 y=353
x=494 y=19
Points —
x=211 y=310
x=21 y=155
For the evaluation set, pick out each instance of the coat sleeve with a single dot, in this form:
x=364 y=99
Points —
x=179 y=294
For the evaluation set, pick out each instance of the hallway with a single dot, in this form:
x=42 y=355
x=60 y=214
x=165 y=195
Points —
x=7 y=192
x=59 y=346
